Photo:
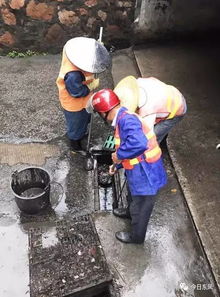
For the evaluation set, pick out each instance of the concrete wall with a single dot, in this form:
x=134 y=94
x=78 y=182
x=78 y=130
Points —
x=45 y=25
x=164 y=17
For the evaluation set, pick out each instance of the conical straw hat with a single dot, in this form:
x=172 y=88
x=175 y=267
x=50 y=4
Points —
x=127 y=91
x=87 y=54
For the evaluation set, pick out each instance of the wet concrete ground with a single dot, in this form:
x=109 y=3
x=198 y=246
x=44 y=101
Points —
x=170 y=263
x=173 y=260
x=33 y=134
x=194 y=69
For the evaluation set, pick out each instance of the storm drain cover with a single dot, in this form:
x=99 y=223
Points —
x=67 y=260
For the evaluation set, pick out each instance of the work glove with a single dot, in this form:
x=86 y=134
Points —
x=94 y=84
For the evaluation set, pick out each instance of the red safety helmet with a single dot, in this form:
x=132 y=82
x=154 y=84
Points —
x=104 y=100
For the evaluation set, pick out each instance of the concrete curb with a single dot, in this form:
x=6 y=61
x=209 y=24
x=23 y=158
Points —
x=188 y=199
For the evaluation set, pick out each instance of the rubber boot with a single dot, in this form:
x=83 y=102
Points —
x=76 y=147
x=122 y=213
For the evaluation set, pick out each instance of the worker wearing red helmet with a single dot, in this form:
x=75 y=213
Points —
x=137 y=151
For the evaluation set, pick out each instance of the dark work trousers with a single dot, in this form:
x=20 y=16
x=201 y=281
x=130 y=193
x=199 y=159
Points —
x=140 y=209
x=163 y=127
x=77 y=122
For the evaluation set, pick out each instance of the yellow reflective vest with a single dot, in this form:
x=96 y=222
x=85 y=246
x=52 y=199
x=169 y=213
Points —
x=161 y=99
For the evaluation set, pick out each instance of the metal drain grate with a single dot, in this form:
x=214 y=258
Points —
x=68 y=260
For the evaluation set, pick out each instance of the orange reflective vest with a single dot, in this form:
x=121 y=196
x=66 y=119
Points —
x=67 y=101
x=151 y=155
x=161 y=99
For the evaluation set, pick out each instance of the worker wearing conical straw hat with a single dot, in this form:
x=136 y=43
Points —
x=82 y=57
x=160 y=105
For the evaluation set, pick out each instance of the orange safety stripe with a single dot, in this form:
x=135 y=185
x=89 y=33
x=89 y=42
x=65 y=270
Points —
x=151 y=155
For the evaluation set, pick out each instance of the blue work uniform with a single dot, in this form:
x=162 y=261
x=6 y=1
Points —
x=144 y=179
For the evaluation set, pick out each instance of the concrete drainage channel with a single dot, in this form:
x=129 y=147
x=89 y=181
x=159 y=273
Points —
x=109 y=192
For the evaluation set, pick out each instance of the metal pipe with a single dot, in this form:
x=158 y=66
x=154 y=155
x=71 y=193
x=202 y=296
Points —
x=100 y=34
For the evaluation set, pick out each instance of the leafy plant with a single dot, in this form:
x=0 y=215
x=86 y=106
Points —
x=12 y=54
x=28 y=53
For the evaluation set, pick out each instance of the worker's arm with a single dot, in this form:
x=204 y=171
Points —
x=133 y=141
x=74 y=84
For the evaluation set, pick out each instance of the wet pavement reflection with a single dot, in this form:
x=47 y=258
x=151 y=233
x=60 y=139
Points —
x=171 y=262
x=14 y=265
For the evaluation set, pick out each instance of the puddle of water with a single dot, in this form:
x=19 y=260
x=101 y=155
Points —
x=32 y=192
x=14 y=270
x=57 y=193
x=169 y=271
x=6 y=220
x=106 y=198
x=60 y=205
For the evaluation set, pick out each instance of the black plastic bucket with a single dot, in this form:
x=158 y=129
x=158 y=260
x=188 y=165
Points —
x=31 y=188
x=102 y=156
